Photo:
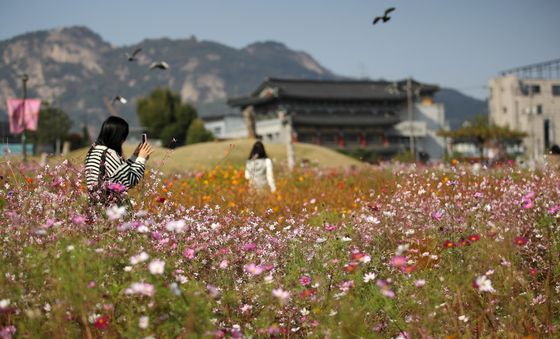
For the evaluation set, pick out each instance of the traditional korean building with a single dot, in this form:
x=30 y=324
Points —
x=340 y=114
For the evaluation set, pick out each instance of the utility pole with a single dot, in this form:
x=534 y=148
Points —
x=24 y=79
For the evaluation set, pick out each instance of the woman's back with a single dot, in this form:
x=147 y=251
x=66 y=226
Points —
x=259 y=173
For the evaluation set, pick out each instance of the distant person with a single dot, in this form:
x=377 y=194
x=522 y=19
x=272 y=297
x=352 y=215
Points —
x=555 y=149
x=107 y=173
x=258 y=169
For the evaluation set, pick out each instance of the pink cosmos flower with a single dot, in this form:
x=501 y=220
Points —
x=116 y=187
x=282 y=295
x=253 y=269
x=329 y=227
x=249 y=247
x=527 y=204
x=189 y=253
x=78 y=219
x=385 y=289
x=554 y=209
x=420 y=283
x=398 y=261
x=305 y=280
x=438 y=215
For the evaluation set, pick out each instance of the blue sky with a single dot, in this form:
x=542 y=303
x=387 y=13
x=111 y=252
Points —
x=453 y=43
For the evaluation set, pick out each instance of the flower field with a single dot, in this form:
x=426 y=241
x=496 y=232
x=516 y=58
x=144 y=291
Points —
x=386 y=252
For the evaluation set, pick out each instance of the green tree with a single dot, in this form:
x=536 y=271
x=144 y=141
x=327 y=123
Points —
x=54 y=124
x=166 y=117
x=197 y=133
x=480 y=131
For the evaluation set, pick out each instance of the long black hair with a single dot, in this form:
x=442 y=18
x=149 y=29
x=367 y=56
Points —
x=113 y=133
x=258 y=151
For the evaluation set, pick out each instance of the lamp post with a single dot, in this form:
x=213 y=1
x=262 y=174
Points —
x=24 y=79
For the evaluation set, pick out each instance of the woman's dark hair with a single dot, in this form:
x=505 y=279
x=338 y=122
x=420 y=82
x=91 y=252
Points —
x=258 y=151
x=113 y=133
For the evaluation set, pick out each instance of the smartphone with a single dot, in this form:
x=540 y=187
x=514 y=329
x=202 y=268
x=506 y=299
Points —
x=144 y=138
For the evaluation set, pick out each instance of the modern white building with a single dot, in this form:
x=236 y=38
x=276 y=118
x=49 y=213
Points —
x=528 y=99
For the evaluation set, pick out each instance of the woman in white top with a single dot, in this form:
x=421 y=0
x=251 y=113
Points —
x=258 y=169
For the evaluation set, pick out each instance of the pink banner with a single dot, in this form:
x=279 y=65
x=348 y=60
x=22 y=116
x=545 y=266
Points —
x=23 y=115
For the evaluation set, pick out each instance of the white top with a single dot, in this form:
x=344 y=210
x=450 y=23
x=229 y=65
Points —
x=259 y=173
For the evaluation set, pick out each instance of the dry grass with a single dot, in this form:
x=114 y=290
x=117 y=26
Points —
x=207 y=155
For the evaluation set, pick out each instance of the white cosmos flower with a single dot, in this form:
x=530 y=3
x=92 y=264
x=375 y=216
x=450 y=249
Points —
x=4 y=303
x=369 y=277
x=144 y=322
x=136 y=259
x=115 y=212
x=177 y=226
x=156 y=266
x=484 y=284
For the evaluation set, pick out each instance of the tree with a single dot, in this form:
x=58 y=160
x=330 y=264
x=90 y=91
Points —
x=481 y=131
x=54 y=124
x=197 y=133
x=166 y=117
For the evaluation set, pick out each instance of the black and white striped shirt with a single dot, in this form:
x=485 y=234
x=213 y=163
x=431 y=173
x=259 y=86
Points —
x=117 y=170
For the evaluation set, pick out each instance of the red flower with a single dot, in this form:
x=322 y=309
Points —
x=464 y=242
x=408 y=269
x=350 y=267
x=307 y=293
x=102 y=322
x=520 y=241
x=161 y=200
x=474 y=237
x=448 y=244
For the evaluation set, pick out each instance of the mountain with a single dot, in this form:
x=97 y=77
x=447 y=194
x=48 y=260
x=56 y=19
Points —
x=74 y=68
x=460 y=107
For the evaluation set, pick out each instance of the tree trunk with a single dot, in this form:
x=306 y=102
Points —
x=249 y=117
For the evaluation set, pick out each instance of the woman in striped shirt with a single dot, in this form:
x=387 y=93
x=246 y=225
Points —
x=107 y=173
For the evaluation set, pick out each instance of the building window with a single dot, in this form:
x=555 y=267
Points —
x=531 y=89
x=556 y=90
x=539 y=109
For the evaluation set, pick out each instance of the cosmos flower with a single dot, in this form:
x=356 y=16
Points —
x=253 y=269
x=116 y=187
x=437 y=215
x=385 y=289
x=144 y=322
x=115 y=212
x=305 y=280
x=140 y=288
x=448 y=244
x=177 y=226
x=483 y=284
x=369 y=277
x=282 y=295
x=141 y=257
x=101 y=322
x=473 y=237
x=4 y=303
x=420 y=283
x=520 y=241
x=189 y=253
x=398 y=261
x=156 y=267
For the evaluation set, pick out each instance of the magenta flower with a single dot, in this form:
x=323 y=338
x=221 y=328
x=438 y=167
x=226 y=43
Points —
x=78 y=219
x=116 y=187
x=249 y=247
x=520 y=241
x=527 y=203
x=305 y=280
x=554 y=209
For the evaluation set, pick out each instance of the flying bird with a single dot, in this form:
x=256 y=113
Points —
x=160 y=65
x=385 y=16
x=120 y=99
x=133 y=56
